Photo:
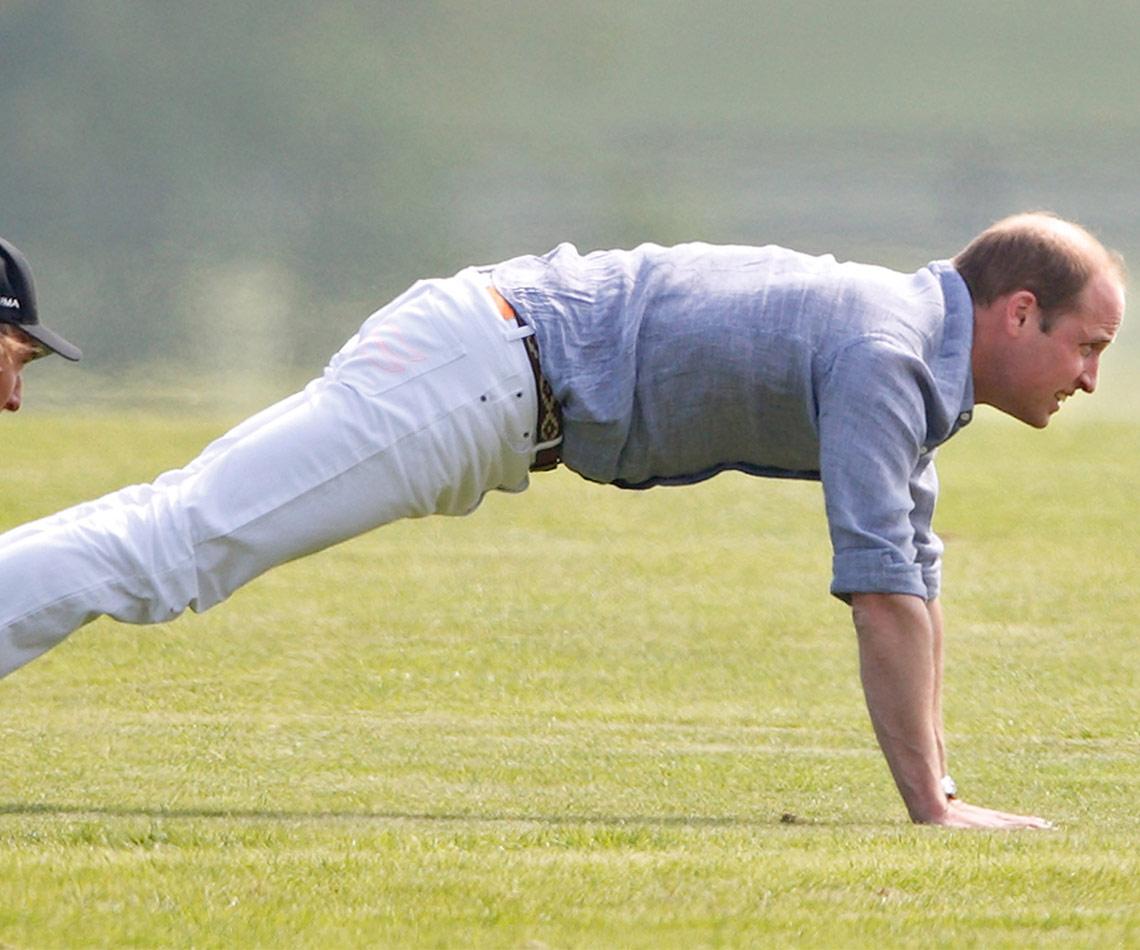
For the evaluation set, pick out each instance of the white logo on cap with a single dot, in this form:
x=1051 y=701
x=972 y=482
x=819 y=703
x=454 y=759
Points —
x=12 y=303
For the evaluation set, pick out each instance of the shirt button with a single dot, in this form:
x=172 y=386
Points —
x=965 y=417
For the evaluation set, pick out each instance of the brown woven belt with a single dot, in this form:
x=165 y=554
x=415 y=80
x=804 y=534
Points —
x=549 y=422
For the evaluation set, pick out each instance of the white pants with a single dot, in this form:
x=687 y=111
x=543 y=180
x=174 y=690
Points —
x=428 y=407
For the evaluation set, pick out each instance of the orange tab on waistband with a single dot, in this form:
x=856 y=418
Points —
x=505 y=309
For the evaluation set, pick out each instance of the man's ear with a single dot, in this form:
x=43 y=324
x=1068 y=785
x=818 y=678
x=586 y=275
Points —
x=1020 y=307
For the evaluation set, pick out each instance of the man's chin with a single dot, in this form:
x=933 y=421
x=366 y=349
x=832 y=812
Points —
x=1036 y=420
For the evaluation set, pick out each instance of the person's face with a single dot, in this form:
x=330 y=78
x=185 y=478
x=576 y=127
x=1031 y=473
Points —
x=16 y=351
x=11 y=382
x=1043 y=369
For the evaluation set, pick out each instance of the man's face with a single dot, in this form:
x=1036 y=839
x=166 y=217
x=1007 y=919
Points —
x=1044 y=369
x=11 y=384
x=17 y=349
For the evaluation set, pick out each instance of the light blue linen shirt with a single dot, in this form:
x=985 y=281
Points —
x=675 y=363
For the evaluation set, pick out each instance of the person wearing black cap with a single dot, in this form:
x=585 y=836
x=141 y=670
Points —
x=22 y=337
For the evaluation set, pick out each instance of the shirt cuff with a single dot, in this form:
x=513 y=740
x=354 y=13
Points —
x=877 y=572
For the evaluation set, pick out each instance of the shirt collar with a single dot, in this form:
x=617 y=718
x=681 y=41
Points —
x=952 y=367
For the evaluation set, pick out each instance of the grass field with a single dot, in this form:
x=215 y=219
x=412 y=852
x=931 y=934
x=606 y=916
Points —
x=582 y=718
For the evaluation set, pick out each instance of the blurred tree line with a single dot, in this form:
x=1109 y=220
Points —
x=252 y=177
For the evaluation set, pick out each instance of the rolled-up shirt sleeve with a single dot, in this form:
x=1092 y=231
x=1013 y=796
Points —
x=928 y=546
x=878 y=477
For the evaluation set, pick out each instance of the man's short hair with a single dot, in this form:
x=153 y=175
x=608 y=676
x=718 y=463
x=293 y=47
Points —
x=14 y=343
x=1038 y=252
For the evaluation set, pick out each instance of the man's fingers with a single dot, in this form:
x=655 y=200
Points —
x=1019 y=821
x=964 y=815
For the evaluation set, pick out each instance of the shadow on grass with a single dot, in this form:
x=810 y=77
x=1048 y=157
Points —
x=249 y=814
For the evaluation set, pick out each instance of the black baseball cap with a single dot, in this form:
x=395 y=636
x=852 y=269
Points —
x=18 y=302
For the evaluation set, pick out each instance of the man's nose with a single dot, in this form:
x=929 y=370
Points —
x=14 y=401
x=1087 y=379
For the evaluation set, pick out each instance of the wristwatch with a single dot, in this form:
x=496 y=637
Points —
x=949 y=787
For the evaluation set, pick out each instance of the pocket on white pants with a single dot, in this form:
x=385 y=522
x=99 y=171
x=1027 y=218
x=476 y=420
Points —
x=387 y=353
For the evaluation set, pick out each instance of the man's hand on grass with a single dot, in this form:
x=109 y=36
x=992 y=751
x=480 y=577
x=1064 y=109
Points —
x=960 y=814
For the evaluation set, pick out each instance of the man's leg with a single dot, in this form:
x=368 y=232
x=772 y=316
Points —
x=430 y=406
x=138 y=494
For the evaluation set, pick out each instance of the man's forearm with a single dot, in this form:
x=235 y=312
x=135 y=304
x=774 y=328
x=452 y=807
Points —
x=934 y=612
x=900 y=665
